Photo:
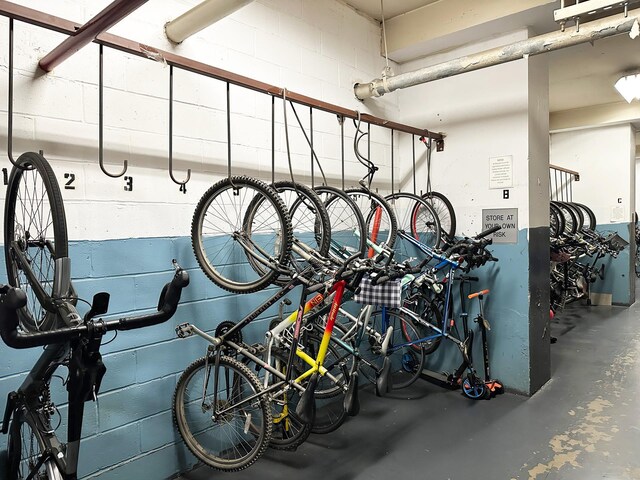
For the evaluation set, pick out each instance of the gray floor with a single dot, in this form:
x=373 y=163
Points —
x=583 y=424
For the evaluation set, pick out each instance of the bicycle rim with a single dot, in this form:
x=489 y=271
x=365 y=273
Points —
x=240 y=233
x=407 y=361
x=35 y=228
x=415 y=218
x=378 y=215
x=288 y=431
x=445 y=212
x=348 y=230
x=25 y=448
x=309 y=220
x=234 y=439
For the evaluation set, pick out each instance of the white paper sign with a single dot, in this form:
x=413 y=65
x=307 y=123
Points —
x=501 y=172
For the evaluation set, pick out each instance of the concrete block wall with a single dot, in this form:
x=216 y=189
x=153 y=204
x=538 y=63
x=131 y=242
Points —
x=122 y=241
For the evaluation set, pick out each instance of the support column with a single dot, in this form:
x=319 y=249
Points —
x=496 y=113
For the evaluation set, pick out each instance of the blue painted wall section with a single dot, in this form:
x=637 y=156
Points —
x=507 y=309
x=129 y=432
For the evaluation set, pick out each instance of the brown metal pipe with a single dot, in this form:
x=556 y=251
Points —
x=61 y=25
x=87 y=33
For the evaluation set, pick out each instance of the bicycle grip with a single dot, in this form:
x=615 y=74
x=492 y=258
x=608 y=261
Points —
x=488 y=231
x=380 y=280
x=170 y=295
x=11 y=299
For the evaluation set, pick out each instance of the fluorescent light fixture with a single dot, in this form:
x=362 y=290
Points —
x=629 y=87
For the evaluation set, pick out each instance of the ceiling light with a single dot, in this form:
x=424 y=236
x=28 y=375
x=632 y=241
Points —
x=629 y=87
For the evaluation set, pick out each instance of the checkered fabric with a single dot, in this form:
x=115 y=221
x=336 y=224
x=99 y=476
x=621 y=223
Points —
x=385 y=295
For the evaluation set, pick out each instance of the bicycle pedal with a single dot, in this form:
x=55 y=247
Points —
x=184 y=330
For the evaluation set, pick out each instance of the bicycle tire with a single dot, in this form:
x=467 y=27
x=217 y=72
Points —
x=429 y=311
x=588 y=216
x=288 y=431
x=220 y=232
x=256 y=424
x=348 y=229
x=369 y=202
x=578 y=214
x=556 y=221
x=570 y=220
x=329 y=397
x=407 y=362
x=22 y=456
x=415 y=217
x=34 y=201
x=446 y=214
x=309 y=220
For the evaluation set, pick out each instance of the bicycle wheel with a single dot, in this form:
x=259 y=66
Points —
x=378 y=216
x=35 y=236
x=556 y=221
x=570 y=220
x=309 y=220
x=578 y=214
x=429 y=312
x=25 y=447
x=232 y=434
x=348 y=230
x=240 y=222
x=417 y=219
x=407 y=361
x=329 y=395
x=446 y=214
x=289 y=431
x=587 y=213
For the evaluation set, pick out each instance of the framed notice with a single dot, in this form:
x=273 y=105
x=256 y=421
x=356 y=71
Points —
x=501 y=172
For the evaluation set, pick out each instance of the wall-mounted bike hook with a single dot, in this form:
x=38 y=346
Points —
x=183 y=183
x=101 y=122
x=10 y=98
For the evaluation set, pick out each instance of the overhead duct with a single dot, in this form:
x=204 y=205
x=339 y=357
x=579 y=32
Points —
x=589 y=32
x=200 y=17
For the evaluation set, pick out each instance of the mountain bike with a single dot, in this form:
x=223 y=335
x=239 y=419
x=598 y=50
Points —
x=38 y=309
x=222 y=409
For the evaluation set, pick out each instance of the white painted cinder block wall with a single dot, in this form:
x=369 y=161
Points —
x=315 y=47
x=484 y=114
x=605 y=159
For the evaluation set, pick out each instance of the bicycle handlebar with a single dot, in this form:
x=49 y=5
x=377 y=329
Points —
x=400 y=271
x=487 y=232
x=12 y=298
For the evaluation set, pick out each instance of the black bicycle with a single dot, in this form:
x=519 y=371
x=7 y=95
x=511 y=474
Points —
x=38 y=309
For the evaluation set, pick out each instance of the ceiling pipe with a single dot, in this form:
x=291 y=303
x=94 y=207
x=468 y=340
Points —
x=87 y=33
x=200 y=17
x=589 y=32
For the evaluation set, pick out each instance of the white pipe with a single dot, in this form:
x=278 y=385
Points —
x=589 y=32
x=200 y=17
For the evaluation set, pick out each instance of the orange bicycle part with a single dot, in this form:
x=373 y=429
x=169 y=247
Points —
x=377 y=219
x=477 y=294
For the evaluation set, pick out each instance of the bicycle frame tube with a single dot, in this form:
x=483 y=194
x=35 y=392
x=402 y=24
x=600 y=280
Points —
x=317 y=363
x=377 y=219
x=41 y=373
x=294 y=282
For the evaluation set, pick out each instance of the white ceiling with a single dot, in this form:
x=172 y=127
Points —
x=392 y=8
x=579 y=77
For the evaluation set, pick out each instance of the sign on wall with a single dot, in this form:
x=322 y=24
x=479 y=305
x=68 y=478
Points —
x=507 y=218
x=501 y=172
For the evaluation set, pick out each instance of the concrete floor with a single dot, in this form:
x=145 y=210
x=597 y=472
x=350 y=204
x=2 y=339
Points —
x=584 y=424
